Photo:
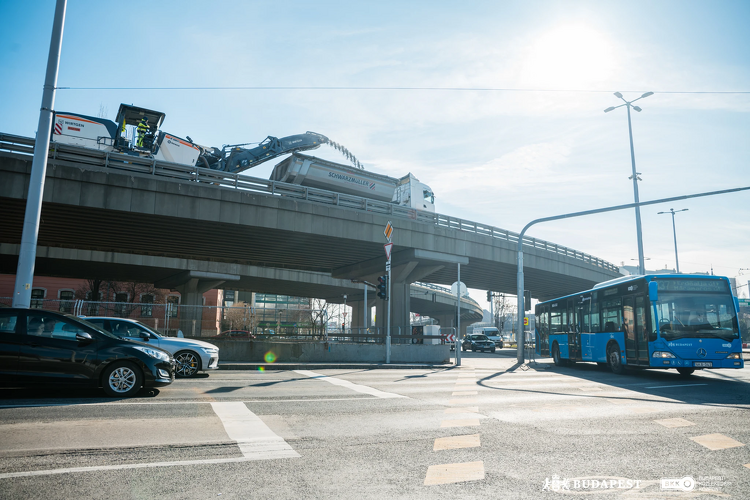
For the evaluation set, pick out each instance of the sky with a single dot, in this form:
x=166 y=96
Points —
x=496 y=105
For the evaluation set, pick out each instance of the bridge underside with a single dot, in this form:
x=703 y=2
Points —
x=103 y=230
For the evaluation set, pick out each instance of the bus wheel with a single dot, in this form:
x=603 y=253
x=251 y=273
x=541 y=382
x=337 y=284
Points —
x=686 y=372
x=613 y=359
x=556 y=356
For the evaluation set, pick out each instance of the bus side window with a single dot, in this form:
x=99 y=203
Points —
x=595 y=313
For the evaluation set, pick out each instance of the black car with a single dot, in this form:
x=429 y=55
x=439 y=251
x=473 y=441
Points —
x=43 y=347
x=478 y=342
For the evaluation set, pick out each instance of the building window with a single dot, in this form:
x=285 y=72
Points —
x=121 y=304
x=173 y=303
x=147 y=310
x=66 y=301
x=37 y=298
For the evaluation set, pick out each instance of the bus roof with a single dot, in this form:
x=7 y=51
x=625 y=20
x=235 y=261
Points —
x=633 y=277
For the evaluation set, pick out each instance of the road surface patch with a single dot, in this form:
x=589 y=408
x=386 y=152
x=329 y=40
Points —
x=465 y=393
x=460 y=422
x=465 y=401
x=674 y=422
x=349 y=385
x=716 y=441
x=457 y=442
x=454 y=473
x=256 y=440
x=468 y=409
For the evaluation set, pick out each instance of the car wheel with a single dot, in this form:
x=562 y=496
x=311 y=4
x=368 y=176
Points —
x=188 y=364
x=501 y=345
x=686 y=372
x=463 y=348
x=473 y=349
x=493 y=350
x=614 y=360
x=121 y=380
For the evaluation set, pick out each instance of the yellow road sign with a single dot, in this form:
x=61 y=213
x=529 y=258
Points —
x=388 y=230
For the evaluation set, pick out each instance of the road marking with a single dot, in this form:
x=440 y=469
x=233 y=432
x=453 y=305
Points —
x=463 y=422
x=125 y=466
x=349 y=385
x=747 y=465
x=466 y=382
x=456 y=442
x=454 y=473
x=465 y=393
x=255 y=439
x=716 y=441
x=665 y=386
x=468 y=409
x=674 y=422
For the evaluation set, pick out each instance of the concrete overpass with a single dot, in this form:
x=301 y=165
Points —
x=118 y=204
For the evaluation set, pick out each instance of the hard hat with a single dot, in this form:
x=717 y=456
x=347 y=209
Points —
x=145 y=119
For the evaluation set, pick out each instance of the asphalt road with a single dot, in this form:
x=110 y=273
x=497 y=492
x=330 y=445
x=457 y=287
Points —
x=489 y=429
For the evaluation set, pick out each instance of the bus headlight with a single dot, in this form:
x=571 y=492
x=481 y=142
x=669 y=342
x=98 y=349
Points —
x=663 y=354
x=734 y=355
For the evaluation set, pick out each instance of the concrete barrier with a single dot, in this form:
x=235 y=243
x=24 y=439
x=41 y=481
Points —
x=320 y=352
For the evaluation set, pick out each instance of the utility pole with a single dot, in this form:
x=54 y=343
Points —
x=30 y=234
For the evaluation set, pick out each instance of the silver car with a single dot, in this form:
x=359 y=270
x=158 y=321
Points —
x=191 y=356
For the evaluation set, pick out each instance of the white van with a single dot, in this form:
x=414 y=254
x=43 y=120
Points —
x=492 y=333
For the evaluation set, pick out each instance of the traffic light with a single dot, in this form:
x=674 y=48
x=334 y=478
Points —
x=383 y=287
x=526 y=300
x=489 y=296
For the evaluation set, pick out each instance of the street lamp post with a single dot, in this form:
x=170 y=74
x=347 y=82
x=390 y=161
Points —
x=634 y=177
x=674 y=232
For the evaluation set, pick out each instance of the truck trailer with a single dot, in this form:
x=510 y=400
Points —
x=310 y=171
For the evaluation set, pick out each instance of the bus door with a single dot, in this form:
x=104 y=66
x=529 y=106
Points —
x=574 y=331
x=634 y=328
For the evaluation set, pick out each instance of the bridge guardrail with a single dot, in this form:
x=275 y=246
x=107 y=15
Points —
x=70 y=155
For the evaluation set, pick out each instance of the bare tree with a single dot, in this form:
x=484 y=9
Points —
x=239 y=317
x=504 y=308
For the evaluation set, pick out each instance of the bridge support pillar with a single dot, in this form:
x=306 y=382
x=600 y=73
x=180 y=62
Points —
x=449 y=321
x=359 y=311
x=192 y=285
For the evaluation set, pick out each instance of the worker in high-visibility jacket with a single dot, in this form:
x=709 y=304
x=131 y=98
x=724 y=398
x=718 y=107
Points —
x=142 y=129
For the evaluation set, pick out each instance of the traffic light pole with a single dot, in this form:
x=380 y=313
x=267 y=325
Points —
x=388 y=326
x=458 y=317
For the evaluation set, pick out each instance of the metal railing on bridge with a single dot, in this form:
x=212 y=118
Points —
x=65 y=154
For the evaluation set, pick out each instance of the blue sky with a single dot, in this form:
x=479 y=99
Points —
x=499 y=157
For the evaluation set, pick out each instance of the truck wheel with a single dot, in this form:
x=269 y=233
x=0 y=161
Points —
x=614 y=360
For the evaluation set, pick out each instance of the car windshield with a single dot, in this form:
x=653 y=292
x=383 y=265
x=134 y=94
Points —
x=696 y=315
x=479 y=337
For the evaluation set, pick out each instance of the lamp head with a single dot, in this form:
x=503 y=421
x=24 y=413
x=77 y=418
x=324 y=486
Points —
x=617 y=94
x=608 y=109
x=647 y=94
x=637 y=108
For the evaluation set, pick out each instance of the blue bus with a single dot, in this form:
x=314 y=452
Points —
x=686 y=322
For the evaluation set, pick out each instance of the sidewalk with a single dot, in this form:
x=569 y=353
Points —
x=249 y=365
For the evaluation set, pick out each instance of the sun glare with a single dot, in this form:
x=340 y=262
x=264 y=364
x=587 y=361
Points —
x=572 y=56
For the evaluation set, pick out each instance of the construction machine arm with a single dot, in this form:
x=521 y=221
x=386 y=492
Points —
x=236 y=159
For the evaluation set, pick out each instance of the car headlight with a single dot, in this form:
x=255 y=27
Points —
x=663 y=354
x=210 y=350
x=154 y=353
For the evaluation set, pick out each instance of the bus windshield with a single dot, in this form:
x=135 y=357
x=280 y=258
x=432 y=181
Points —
x=696 y=315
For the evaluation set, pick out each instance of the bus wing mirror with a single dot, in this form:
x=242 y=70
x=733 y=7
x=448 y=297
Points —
x=653 y=291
